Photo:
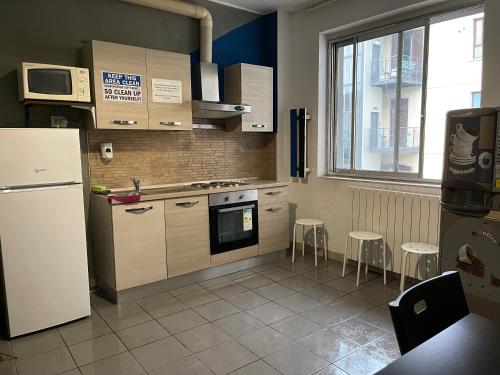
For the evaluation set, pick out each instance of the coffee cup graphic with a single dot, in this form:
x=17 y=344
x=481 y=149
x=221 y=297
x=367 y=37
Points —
x=465 y=135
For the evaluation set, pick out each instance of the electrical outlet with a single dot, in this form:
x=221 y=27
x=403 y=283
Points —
x=58 y=122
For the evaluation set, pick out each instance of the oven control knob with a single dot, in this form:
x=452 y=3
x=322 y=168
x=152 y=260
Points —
x=226 y=199
x=241 y=196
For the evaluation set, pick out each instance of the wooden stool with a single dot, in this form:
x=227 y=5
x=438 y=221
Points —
x=416 y=248
x=313 y=223
x=361 y=237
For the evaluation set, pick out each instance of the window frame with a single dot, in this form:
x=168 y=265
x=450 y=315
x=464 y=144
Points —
x=333 y=44
x=474 y=37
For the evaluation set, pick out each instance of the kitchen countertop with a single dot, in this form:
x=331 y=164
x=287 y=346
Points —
x=252 y=184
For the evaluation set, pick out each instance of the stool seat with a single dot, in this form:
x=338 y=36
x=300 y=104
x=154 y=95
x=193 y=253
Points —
x=420 y=248
x=366 y=236
x=308 y=222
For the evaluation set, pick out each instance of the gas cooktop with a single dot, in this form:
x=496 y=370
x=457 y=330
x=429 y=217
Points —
x=219 y=184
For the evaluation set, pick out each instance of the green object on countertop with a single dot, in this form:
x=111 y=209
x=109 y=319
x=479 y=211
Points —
x=100 y=189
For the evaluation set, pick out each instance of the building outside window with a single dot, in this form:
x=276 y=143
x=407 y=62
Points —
x=477 y=51
x=391 y=92
x=476 y=99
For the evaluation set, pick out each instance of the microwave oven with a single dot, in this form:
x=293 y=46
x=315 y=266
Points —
x=53 y=82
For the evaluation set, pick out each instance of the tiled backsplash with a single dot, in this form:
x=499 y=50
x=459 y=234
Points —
x=158 y=157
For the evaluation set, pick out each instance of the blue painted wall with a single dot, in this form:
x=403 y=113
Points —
x=251 y=43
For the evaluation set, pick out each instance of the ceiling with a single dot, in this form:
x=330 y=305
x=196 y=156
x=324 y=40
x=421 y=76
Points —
x=267 y=6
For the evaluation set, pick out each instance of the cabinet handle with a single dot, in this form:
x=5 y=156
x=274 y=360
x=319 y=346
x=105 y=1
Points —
x=273 y=192
x=124 y=122
x=275 y=209
x=258 y=126
x=187 y=204
x=171 y=123
x=139 y=210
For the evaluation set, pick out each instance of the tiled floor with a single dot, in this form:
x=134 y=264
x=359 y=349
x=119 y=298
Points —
x=275 y=318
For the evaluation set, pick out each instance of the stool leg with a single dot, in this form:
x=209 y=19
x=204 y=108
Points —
x=303 y=241
x=293 y=246
x=383 y=255
x=403 y=271
x=360 y=250
x=366 y=259
x=437 y=264
x=345 y=255
x=315 y=248
x=324 y=243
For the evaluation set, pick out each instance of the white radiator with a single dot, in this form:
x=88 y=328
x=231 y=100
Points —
x=400 y=217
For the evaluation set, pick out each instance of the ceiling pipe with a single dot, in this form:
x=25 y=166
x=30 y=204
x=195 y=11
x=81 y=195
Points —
x=190 y=10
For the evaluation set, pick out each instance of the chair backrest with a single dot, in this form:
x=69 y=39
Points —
x=427 y=308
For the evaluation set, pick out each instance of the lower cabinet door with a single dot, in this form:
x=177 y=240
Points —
x=273 y=227
x=139 y=242
x=188 y=236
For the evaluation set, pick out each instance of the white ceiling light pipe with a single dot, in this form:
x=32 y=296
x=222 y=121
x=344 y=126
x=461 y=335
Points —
x=189 y=10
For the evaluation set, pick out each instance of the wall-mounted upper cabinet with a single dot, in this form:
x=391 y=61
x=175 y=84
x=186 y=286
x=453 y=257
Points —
x=137 y=88
x=250 y=84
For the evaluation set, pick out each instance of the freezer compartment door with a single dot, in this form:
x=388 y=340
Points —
x=39 y=156
x=44 y=256
x=471 y=246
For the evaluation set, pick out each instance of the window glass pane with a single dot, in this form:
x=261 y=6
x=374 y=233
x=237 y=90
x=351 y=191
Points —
x=452 y=77
x=343 y=106
x=478 y=38
x=411 y=100
x=377 y=73
x=476 y=99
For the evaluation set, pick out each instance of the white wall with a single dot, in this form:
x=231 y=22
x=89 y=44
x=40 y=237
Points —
x=490 y=96
x=306 y=67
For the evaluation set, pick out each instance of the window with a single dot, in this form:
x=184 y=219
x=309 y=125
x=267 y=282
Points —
x=391 y=91
x=478 y=38
x=476 y=99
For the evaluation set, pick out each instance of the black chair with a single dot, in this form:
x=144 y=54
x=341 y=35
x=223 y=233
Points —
x=427 y=308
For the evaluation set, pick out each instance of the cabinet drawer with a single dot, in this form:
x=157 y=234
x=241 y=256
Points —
x=187 y=233
x=273 y=227
x=139 y=243
x=273 y=195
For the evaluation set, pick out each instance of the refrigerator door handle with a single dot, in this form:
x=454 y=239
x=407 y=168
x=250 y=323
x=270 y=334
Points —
x=7 y=189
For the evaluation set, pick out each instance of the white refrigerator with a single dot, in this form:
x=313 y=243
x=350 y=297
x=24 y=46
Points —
x=42 y=229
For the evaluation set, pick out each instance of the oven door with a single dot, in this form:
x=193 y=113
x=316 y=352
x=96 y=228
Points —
x=233 y=226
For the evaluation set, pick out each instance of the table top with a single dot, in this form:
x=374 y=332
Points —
x=470 y=346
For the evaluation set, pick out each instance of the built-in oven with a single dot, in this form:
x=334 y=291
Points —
x=233 y=220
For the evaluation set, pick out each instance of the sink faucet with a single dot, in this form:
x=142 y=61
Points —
x=137 y=184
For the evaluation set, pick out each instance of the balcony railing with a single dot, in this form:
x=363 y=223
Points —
x=382 y=139
x=384 y=71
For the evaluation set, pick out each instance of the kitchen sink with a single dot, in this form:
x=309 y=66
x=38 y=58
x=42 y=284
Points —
x=165 y=190
x=126 y=193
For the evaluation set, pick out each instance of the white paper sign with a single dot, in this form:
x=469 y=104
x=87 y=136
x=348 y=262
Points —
x=121 y=87
x=247 y=219
x=166 y=91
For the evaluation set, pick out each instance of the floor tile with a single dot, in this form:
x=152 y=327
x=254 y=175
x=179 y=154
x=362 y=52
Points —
x=37 y=343
x=216 y=310
x=277 y=274
x=120 y=364
x=95 y=349
x=105 y=307
x=202 y=337
x=185 y=366
x=358 y=331
x=226 y=357
x=263 y=267
x=247 y=300
x=274 y=291
x=362 y=362
x=297 y=268
x=127 y=318
x=328 y=345
x=186 y=289
x=322 y=293
x=264 y=341
x=227 y=290
x=298 y=283
x=52 y=362
x=197 y=298
x=239 y=274
x=238 y=324
x=214 y=281
x=387 y=346
x=331 y=370
x=321 y=275
x=165 y=307
x=270 y=312
x=349 y=306
x=142 y=334
x=153 y=298
x=182 y=321
x=254 y=281
x=7 y=367
x=363 y=277
x=256 y=368
x=344 y=284
x=379 y=316
x=83 y=330
x=376 y=295
x=74 y=371
x=297 y=302
x=323 y=315
x=159 y=353
x=295 y=360
x=296 y=327
x=336 y=267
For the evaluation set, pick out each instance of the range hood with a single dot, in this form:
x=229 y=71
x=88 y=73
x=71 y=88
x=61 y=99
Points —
x=206 y=95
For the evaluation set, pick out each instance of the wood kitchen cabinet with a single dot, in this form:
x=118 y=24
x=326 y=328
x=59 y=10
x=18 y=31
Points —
x=129 y=243
x=273 y=227
x=187 y=233
x=253 y=85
